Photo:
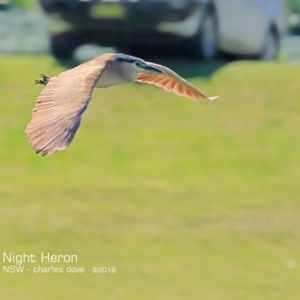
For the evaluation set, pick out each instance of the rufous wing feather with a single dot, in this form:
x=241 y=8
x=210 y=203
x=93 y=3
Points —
x=171 y=82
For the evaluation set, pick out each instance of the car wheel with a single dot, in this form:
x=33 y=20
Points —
x=63 y=46
x=205 y=43
x=270 y=48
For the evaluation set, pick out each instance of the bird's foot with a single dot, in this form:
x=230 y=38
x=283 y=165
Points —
x=45 y=79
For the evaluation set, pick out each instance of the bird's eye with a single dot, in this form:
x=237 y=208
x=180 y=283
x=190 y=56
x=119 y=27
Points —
x=138 y=64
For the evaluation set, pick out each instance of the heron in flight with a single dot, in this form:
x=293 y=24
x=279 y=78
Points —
x=57 y=113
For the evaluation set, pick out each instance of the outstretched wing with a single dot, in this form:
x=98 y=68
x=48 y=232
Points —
x=57 y=113
x=171 y=82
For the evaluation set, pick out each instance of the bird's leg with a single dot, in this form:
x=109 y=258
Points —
x=45 y=79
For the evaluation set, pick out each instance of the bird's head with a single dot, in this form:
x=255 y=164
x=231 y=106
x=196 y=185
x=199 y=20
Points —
x=131 y=65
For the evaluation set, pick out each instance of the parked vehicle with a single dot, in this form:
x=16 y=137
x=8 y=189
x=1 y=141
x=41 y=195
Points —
x=294 y=15
x=194 y=28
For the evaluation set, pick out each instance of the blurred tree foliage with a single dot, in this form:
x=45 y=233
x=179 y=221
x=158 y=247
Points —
x=23 y=3
x=294 y=6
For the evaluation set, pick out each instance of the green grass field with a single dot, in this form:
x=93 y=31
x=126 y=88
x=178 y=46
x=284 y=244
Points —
x=187 y=200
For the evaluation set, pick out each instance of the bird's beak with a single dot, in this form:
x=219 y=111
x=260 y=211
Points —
x=150 y=68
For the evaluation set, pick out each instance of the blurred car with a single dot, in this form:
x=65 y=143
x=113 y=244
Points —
x=194 y=28
x=294 y=15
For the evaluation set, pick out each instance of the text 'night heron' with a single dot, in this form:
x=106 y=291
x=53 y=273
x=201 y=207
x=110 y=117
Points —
x=57 y=113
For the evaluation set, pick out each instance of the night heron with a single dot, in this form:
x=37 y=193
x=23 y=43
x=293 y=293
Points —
x=57 y=113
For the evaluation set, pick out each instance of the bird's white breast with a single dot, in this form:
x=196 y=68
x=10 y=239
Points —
x=106 y=80
x=116 y=73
